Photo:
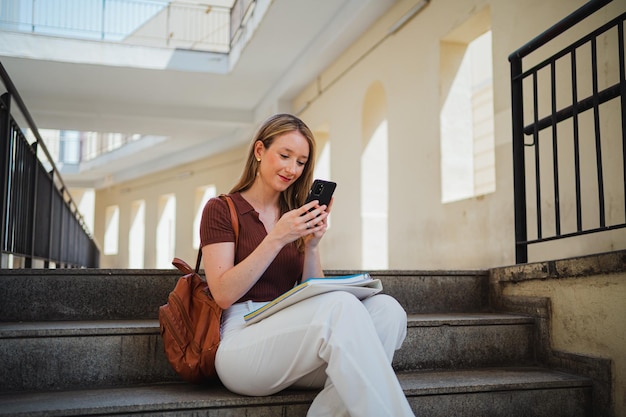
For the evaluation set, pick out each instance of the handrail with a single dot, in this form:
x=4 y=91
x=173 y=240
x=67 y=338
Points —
x=40 y=219
x=15 y=95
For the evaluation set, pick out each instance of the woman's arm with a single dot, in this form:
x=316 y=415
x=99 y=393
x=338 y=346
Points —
x=229 y=282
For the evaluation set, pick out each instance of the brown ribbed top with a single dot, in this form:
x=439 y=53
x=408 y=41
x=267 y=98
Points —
x=283 y=272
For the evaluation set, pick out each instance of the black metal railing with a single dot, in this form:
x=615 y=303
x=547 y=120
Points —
x=39 y=219
x=567 y=150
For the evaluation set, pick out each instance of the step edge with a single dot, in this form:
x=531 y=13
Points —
x=466 y=319
x=12 y=330
x=553 y=379
x=195 y=396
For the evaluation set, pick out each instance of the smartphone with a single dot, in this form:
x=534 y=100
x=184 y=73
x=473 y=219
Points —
x=321 y=190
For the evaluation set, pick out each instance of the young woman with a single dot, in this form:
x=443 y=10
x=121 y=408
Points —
x=331 y=341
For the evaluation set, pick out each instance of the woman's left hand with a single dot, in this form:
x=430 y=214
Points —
x=316 y=223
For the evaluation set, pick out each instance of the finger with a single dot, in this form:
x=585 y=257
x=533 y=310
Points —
x=308 y=206
x=330 y=205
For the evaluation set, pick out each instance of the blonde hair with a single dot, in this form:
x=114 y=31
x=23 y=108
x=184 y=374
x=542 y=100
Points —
x=279 y=124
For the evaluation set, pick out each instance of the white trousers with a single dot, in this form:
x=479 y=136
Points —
x=331 y=341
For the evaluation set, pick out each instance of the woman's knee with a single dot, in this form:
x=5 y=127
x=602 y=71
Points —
x=389 y=319
x=387 y=308
x=342 y=300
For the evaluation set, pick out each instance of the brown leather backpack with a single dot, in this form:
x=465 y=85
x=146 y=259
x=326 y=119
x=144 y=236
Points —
x=190 y=321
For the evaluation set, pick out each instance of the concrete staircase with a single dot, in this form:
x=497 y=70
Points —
x=87 y=342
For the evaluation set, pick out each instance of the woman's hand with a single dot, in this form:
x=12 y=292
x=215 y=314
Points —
x=318 y=225
x=312 y=262
x=301 y=222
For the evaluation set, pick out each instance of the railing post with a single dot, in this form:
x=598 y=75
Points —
x=519 y=164
x=34 y=195
x=5 y=143
x=622 y=84
x=51 y=214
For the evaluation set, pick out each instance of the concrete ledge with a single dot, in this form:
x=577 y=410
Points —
x=601 y=264
x=598 y=370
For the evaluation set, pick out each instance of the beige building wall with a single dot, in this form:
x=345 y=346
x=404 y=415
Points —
x=404 y=69
x=423 y=232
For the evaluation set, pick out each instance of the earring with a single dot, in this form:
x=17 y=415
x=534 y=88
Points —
x=258 y=159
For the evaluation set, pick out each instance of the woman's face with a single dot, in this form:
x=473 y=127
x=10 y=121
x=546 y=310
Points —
x=284 y=160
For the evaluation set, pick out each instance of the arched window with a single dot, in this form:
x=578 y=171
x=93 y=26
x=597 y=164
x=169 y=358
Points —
x=166 y=231
x=111 y=230
x=136 y=234
x=467 y=115
x=203 y=194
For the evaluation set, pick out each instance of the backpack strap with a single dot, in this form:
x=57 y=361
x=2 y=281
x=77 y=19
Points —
x=235 y=222
x=233 y=217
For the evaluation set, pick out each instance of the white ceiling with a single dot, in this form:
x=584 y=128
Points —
x=200 y=112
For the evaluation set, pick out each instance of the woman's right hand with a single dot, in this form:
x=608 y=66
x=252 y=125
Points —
x=300 y=222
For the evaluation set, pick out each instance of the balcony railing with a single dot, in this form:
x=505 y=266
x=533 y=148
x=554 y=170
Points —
x=156 y=23
x=574 y=135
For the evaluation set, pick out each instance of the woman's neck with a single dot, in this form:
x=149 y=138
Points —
x=265 y=204
x=262 y=199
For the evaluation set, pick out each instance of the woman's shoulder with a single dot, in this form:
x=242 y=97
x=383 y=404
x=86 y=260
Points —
x=219 y=204
x=221 y=198
x=215 y=225
x=241 y=204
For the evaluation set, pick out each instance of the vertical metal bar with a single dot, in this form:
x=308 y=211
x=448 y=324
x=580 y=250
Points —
x=24 y=197
x=519 y=165
x=20 y=201
x=5 y=151
x=537 y=158
x=34 y=195
x=63 y=236
x=596 y=120
x=579 y=223
x=10 y=172
x=51 y=214
x=555 y=151
x=622 y=84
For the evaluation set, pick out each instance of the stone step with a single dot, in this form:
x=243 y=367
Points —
x=83 y=294
x=510 y=392
x=92 y=354
x=439 y=341
x=108 y=294
x=436 y=291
